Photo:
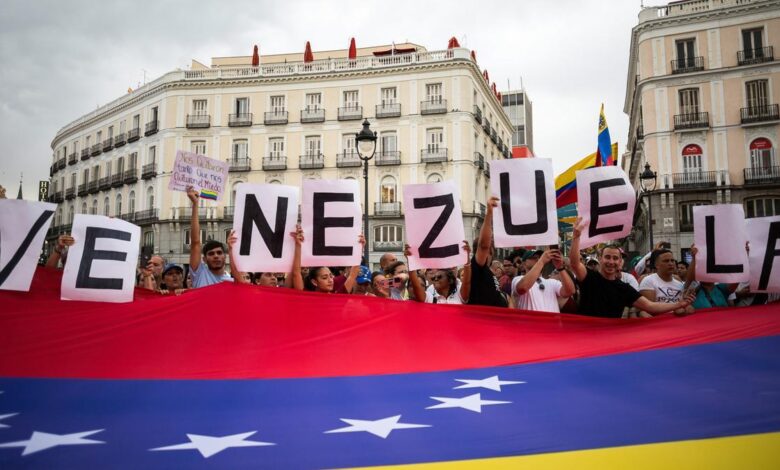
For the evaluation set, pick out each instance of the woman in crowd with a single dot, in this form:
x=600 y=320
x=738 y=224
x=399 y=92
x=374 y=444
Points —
x=320 y=278
x=380 y=286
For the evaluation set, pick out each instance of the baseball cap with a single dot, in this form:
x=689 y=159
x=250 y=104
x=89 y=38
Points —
x=170 y=266
x=364 y=277
x=531 y=253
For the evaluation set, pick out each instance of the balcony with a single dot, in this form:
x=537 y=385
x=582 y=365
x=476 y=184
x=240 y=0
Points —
x=310 y=115
x=108 y=144
x=133 y=135
x=104 y=184
x=754 y=114
x=95 y=150
x=275 y=163
x=640 y=132
x=58 y=197
x=130 y=176
x=82 y=190
x=227 y=212
x=388 y=158
x=92 y=187
x=691 y=121
x=388 y=246
x=240 y=164
x=120 y=140
x=148 y=171
x=240 y=120
x=273 y=118
x=687 y=65
x=348 y=159
x=53 y=169
x=128 y=217
x=479 y=209
x=73 y=159
x=85 y=154
x=433 y=155
x=387 y=209
x=479 y=160
x=436 y=106
x=388 y=110
x=486 y=125
x=494 y=135
x=695 y=179
x=478 y=114
x=151 y=128
x=311 y=162
x=185 y=213
x=61 y=163
x=116 y=180
x=201 y=121
x=146 y=217
x=350 y=113
x=70 y=193
x=755 y=56
x=762 y=175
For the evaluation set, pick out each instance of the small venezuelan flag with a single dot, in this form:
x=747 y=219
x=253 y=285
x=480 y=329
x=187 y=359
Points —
x=604 y=153
x=208 y=194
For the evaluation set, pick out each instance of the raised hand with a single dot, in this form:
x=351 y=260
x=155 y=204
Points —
x=192 y=194
x=579 y=227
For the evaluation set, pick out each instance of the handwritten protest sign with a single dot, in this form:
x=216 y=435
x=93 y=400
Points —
x=206 y=175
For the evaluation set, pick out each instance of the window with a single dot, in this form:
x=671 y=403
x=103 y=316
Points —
x=149 y=239
x=99 y=137
x=83 y=207
x=242 y=106
x=86 y=147
x=348 y=144
x=433 y=92
x=691 y=158
x=752 y=42
x=388 y=143
x=240 y=149
x=313 y=101
x=95 y=172
x=152 y=155
x=434 y=178
x=118 y=205
x=187 y=237
x=136 y=121
x=76 y=147
x=153 y=114
x=757 y=94
x=387 y=189
x=762 y=155
x=94 y=210
x=106 y=207
x=110 y=132
x=388 y=233
x=434 y=138
x=276 y=146
x=518 y=136
x=278 y=104
x=686 y=53
x=120 y=165
x=131 y=203
x=122 y=126
x=86 y=176
x=199 y=107
x=150 y=198
x=133 y=161
x=686 y=214
x=689 y=101
x=73 y=179
x=71 y=214
x=351 y=99
x=312 y=145
x=198 y=146
x=389 y=96
x=762 y=207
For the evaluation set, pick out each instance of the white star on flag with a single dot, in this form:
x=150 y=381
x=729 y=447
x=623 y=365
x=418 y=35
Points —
x=43 y=440
x=381 y=427
x=211 y=445
x=2 y=417
x=490 y=383
x=471 y=403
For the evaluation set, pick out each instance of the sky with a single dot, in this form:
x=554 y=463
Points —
x=60 y=60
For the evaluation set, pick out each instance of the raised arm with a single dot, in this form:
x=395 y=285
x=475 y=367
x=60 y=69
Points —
x=527 y=281
x=579 y=269
x=656 y=308
x=63 y=241
x=355 y=270
x=295 y=279
x=465 y=286
x=195 y=242
x=691 y=275
x=235 y=271
x=485 y=240
x=414 y=280
x=567 y=285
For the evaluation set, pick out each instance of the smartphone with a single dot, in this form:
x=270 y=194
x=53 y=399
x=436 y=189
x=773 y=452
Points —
x=146 y=256
x=666 y=245
x=555 y=247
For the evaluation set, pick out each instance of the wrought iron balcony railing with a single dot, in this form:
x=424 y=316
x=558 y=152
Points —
x=133 y=135
x=387 y=209
x=116 y=180
x=70 y=193
x=350 y=113
x=130 y=176
x=434 y=155
x=310 y=115
x=120 y=139
x=348 y=159
x=486 y=125
x=96 y=150
x=695 y=179
x=104 y=184
x=198 y=121
x=227 y=212
x=388 y=158
x=92 y=187
x=275 y=117
x=82 y=189
x=687 y=65
x=275 y=163
x=753 y=114
x=151 y=128
x=85 y=154
x=388 y=110
x=108 y=144
x=61 y=163
x=435 y=106
x=240 y=120
x=478 y=114
x=479 y=160
x=388 y=246
x=240 y=164
x=762 y=175
x=147 y=216
x=311 y=161
x=755 y=56
x=72 y=159
x=691 y=121
x=148 y=171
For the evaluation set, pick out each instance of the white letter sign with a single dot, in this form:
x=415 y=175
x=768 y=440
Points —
x=264 y=217
x=207 y=176
x=102 y=261
x=605 y=201
x=330 y=216
x=764 y=258
x=23 y=226
x=434 y=225
x=527 y=214
x=719 y=234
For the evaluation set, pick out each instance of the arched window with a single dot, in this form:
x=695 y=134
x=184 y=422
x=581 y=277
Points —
x=106 y=207
x=71 y=214
x=131 y=203
x=691 y=158
x=58 y=220
x=83 y=207
x=761 y=154
x=387 y=190
x=233 y=193
x=94 y=210
x=150 y=198
x=118 y=205
x=434 y=178
x=766 y=206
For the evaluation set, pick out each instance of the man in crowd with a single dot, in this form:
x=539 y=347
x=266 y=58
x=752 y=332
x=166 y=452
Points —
x=510 y=272
x=533 y=292
x=682 y=270
x=485 y=289
x=662 y=286
x=386 y=260
x=211 y=269
x=603 y=295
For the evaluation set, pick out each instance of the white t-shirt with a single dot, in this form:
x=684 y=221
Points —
x=629 y=279
x=431 y=295
x=666 y=292
x=538 y=299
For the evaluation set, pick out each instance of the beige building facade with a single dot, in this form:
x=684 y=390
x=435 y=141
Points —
x=284 y=121
x=702 y=97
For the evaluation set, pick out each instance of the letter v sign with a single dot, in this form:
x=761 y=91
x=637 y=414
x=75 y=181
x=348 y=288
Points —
x=5 y=272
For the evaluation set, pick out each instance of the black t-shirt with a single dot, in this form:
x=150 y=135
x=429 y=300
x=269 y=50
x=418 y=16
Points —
x=485 y=289
x=600 y=297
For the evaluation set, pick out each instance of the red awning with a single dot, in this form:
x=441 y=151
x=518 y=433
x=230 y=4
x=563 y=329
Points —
x=255 y=57
x=760 y=144
x=307 y=55
x=453 y=43
x=397 y=50
x=692 y=149
x=352 y=49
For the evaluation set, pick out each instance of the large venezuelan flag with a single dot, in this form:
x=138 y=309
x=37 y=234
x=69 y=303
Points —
x=252 y=377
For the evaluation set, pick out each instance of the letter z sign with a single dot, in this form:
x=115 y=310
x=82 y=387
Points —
x=434 y=225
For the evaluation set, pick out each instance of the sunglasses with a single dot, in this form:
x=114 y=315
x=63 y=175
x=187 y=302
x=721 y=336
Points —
x=438 y=277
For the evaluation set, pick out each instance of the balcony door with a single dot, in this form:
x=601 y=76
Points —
x=276 y=147
x=313 y=101
x=692 y=164
x=348 y=144
x=434 y=138
x=689 y=103
x=757 y=96
x=388 y=190
x=389 y=96
x=762 y=155
x=351 y=99
x=389 y=143
x=242 y=106
x=686 y=53
x=199 y=107
x=433 y=92
x=277 y=104
x=753 y=42
x=313 y=146
x=240 y=149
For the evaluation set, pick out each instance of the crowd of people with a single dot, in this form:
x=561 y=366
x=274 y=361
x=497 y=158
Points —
x=535 y=279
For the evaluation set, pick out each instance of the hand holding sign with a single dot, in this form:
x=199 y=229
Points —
x=606 y=203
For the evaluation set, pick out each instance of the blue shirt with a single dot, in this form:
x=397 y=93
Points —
x=203 y=277
x=719 y=295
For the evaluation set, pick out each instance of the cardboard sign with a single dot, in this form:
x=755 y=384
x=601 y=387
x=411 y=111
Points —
x=206 y=175
x=527 y=213
x=264 y=217
x=606 y=202
x=434 y=225
x=102 y=261
x=23 y=227
x=764 y=258
x=719 y=234
x=331 y=221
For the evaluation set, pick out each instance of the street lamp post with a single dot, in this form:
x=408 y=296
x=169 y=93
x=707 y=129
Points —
x=647 y=181
x=366 y=147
